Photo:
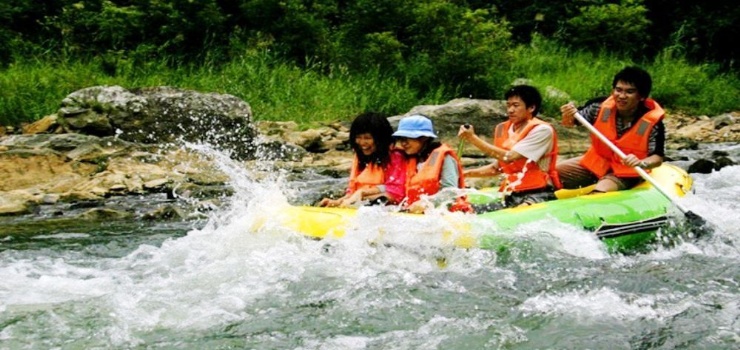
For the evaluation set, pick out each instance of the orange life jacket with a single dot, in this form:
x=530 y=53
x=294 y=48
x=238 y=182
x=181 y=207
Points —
x=426 y=180
x=532 y=177
x=372 y=175
x=600 y=158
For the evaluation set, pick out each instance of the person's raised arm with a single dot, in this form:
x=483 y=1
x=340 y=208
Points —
x=467 y=133
x=483 y=171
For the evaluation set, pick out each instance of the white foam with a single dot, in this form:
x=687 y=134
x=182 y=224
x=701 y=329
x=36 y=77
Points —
x=595 y=305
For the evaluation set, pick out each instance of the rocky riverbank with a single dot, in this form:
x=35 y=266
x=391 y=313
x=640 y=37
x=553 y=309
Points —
x=108 y=143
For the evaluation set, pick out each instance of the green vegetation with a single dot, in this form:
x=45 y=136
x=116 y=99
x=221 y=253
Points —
x=275 y=90
x=282 y=91
x=678 y=85
x=324 y=60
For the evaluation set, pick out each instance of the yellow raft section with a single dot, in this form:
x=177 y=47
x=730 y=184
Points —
x=439 y=228
x=672 y=178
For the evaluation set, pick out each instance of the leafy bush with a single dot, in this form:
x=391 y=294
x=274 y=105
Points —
x=621 y=29
x=427 y=50
x=464 y=49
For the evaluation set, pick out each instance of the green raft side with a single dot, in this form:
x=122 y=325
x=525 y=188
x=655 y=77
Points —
x=624 y=220
x=614 y=209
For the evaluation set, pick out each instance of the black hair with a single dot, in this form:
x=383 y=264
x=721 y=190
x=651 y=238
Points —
x=529 y=94
x=636 y=76
x=429 y=145
x=378 y=126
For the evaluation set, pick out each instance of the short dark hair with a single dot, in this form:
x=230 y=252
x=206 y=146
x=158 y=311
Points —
x=636 y=76
x=529 y=94
x=380 y=128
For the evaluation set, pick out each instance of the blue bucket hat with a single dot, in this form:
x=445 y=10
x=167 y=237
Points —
x=414 y=127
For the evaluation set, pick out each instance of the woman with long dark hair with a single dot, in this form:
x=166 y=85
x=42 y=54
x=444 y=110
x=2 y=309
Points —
x=379 y=169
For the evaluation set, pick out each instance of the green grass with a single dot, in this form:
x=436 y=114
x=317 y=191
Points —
x=31 y=89
x=274 y=90
x=677 y=85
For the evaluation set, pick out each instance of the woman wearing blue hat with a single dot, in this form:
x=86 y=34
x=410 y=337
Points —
x=432 y=164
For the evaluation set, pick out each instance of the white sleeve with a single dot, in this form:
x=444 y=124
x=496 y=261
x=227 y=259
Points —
x=536 y=144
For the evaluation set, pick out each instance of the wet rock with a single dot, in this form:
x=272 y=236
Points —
x=156 y=185
x=702 y=166
x=723 y=161
x=682 y=143
x=191 y=190
x=721 y=128
x=166 y=212
x=50 y=198
x=310 y=140
x=117 y=189
x=723 y=120
x=146 y=157
x=87 y=204
x=70 y=142
x=86 y=121
x=46 y=124
x=12 y=205
x=101 y=214
x=208 y=205
x=275 y=149
x=83 y=196
x=719 y=159
x=161 y=115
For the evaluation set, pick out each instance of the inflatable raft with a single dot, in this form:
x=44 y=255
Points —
x=623 y=220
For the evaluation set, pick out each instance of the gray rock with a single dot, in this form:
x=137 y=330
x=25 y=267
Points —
x=100 y=214
x=161 y=115
x=447 y=118
x=166 y=212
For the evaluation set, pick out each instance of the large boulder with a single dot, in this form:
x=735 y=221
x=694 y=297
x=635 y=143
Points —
x=161 y=115
x=484 y=115
x=447 y=118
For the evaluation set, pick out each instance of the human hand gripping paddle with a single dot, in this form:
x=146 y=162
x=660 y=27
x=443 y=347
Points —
x=695 y=220
x=461 y=145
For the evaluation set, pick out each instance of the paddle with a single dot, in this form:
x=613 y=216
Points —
x=461 y=145
x=693 y=218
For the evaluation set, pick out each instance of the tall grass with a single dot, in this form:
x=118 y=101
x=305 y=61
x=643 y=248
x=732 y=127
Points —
x=308 y=96
x=31 y=89
x=274 y=90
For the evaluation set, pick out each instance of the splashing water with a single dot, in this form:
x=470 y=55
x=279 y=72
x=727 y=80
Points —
x=238 y=280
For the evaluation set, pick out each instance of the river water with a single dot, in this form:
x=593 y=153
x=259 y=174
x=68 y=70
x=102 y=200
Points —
x=219 y=283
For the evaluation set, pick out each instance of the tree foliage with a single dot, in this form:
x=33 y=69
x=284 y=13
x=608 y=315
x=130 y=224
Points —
x=465 y=45
x=618 y=28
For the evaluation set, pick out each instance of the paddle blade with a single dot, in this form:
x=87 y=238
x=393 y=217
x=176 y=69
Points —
x=700 y=226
